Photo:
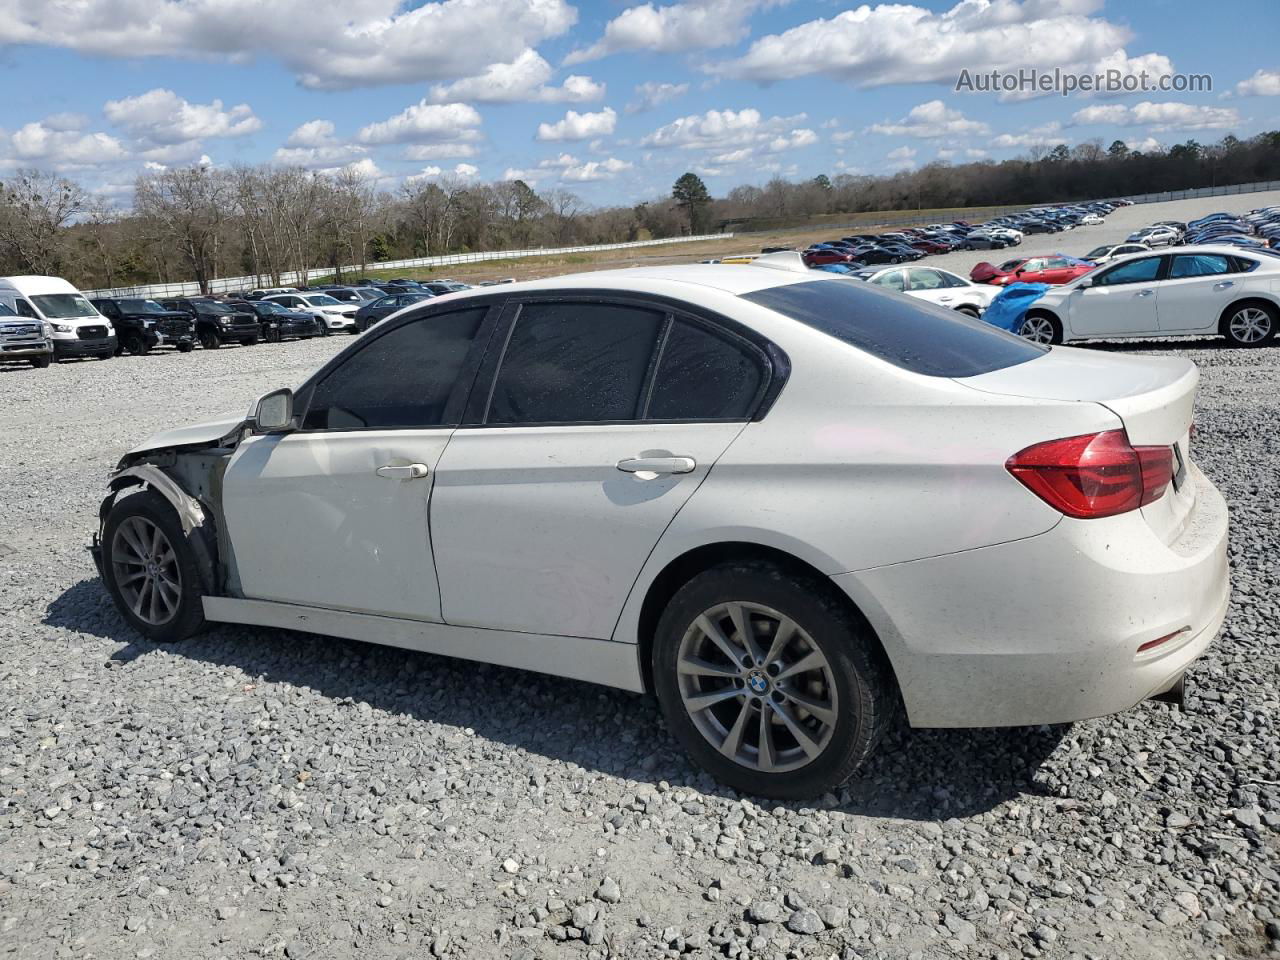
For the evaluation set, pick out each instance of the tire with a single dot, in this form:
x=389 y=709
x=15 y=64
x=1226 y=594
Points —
x=41 y=363
x=249 y=342
x=1041 y=327
x=134 y=345
x=969 y=311
x=1250 y=323
x=173 y=578
x=209 y=339
x=186 y=347
x=274 y=336
x=855 y=691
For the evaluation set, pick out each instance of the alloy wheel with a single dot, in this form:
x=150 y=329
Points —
x=1250 y=325
x=146 y=572
x=1037 y=330
x=757 y=687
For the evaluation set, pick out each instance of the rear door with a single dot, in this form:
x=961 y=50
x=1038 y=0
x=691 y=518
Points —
x=1198 y=289
x=1120 y=301
x=593 y=423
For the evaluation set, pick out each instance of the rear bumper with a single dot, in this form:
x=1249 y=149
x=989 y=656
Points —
x=1047 y=629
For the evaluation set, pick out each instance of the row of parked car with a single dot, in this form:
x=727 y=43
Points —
x=43 y=319
x=910 y=244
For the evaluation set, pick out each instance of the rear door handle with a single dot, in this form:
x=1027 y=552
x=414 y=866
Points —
x=1223 y=284
x=409 y=471
x=649 y=467
x=1144 y=293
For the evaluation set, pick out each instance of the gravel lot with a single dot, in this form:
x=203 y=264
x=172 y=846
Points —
x=259 y=793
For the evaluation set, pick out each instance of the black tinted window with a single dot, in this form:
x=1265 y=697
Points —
x=575 y=362
x=400 y=379
x=909 y=334
x=703 y=376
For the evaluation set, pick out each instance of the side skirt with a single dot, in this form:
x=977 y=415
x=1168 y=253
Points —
x=578 y=658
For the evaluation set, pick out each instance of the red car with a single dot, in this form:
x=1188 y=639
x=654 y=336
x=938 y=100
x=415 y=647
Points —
x=926 y=245
x=1030 y=270
x=820 y=258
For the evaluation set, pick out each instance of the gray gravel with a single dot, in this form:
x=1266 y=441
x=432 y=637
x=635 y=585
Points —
x=259 y=793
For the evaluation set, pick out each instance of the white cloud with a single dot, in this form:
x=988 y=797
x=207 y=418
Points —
x=1158 y=116
x=734 y=157
x=844 y=136
x=425 y=122
x=426 y=173
x=1148 y=145
x=1045 y=135
x=364 y=167
x=530 y=177
x=579 y=126
x=466 y=171
x=902 y=158
x=650 y=95
x=440 y=151
x=930 y=120
x=675 y=28
x=160 y=116
x=62 y=149
x=1264 y=83
x=594 y=170
x=66 y=121
x=523 y=79
x=900 y=43
x=313 y=133
x=326 y=45
x=718 y=130
x=326 y=156
x=793 y=141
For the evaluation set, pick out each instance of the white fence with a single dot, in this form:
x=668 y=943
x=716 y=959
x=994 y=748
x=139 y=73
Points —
x=1224 y=191
x=222 y=285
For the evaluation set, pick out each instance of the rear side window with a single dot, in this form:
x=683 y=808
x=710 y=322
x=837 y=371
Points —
x=704 y=376
x=1199 y=265
x=401 y=379
x=909 y=334
x=575 y=363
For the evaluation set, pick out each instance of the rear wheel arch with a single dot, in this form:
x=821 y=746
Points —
x=1244 y=302
x=690 y=564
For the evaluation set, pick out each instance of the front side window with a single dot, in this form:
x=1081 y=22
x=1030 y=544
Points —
x=575 y=363
x=401 y=379
x=322 y=301
x=1198 y=265
x=1132 y=271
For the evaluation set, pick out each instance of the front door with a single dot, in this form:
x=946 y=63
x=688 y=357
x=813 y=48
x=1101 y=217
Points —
x=599 y=423
x=1121 y=300
x=336 y=513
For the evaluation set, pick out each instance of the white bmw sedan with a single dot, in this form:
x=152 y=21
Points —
x=791 y=506
x=942 y=287
x=1204 y=289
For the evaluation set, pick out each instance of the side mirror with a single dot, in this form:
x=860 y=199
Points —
x=273 y=413
x=1085 y=283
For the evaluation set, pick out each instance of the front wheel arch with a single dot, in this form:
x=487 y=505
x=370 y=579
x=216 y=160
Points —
x=1055 y=325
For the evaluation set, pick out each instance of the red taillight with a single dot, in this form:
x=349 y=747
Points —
x=1094 y=475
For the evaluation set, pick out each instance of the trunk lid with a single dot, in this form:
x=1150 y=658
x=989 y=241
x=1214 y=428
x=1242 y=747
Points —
x=1154 y=397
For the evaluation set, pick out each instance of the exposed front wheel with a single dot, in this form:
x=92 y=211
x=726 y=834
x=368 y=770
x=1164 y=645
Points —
x=249 y=342
x=1040 y=328
x=150 y=569
x=769 y=682
x=134 y=344
x=42 y=363
x=186 y=347
x=210 y=340
x=1249 y=324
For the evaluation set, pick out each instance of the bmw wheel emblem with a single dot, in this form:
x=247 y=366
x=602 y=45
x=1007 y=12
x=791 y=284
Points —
x=757 y=683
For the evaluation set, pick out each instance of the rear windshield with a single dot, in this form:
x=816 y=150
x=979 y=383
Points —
x=907 y=333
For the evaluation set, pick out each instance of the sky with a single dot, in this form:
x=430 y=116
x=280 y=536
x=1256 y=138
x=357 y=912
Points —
x=607 y=98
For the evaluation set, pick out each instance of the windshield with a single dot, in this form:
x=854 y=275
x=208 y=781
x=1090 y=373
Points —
x=64 y=306
x=140 y=306
x=211 y=308
x=324 y=300
x=267 y=306
x=6 y=311
x=1096 y=252
x=918 y=337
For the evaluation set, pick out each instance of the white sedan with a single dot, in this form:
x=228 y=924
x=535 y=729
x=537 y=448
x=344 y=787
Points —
x=1110 y=251
x=1090 y=220
x=1202 y=290
x=942 y=287
x=1157 y=236
x=790 y=505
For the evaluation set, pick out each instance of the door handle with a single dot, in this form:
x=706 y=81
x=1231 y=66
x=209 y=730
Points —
x=1223 y=284
x=646 y=468
x=409 y=471
x=945 y=299
x=1144 y=293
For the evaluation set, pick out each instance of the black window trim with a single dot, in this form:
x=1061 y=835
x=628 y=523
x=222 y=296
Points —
x=1162 y=271
x=775 y=366
x=463 y=385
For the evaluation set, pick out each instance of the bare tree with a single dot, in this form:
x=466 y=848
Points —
x=188 y=205
x=34 y=209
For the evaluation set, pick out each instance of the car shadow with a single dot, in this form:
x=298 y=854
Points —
x=926 y=775
x=1159 y=346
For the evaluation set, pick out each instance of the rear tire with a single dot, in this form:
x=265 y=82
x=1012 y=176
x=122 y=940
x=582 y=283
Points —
x=1251 y=323
x=743 y=719
x=150 y=569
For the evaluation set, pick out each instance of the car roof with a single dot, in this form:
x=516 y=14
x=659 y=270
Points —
x=735 y=279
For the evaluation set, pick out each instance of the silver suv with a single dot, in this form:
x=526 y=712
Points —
x=22 y=338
